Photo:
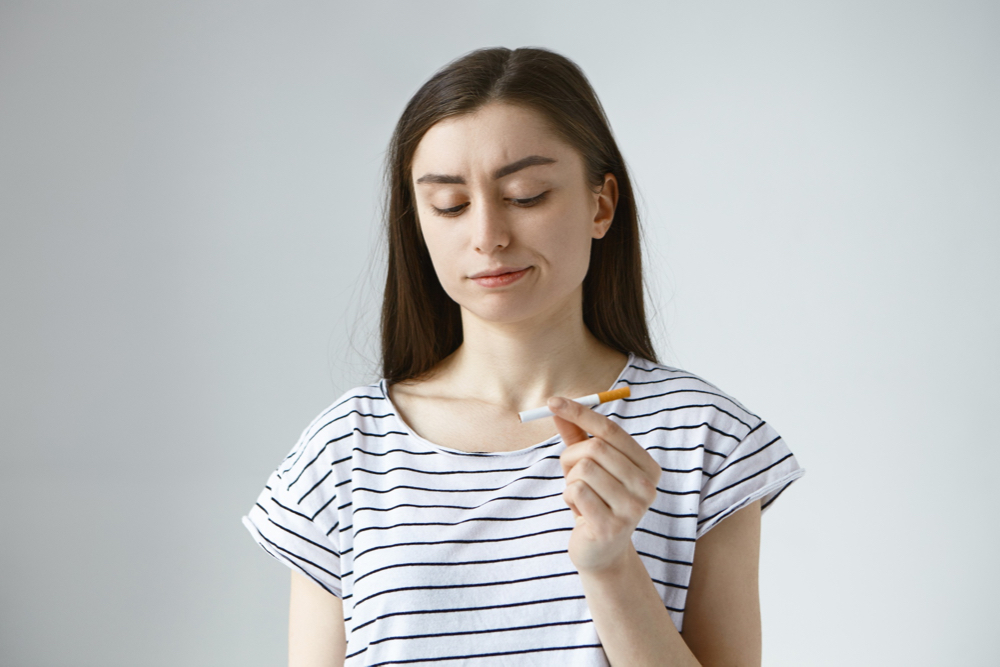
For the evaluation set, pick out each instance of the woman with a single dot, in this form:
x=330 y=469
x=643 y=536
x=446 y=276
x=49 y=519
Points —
x=423 y=522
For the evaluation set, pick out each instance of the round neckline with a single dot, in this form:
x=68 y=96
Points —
x=514 y=452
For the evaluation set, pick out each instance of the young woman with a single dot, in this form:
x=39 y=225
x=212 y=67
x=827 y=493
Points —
x=424 y=523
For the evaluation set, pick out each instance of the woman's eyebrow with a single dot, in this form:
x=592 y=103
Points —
x=530 y=161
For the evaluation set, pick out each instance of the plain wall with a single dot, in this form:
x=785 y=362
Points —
x=189 y=272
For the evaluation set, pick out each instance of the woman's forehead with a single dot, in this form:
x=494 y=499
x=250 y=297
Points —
x=487 y=140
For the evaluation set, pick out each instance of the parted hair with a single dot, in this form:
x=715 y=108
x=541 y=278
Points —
x=420 y=323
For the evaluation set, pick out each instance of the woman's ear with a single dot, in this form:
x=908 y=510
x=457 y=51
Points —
x=607 y=200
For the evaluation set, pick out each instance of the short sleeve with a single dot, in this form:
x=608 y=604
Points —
x=295 y=516
x=759 y=467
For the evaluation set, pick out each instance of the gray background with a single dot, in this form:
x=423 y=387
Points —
x=189 y=273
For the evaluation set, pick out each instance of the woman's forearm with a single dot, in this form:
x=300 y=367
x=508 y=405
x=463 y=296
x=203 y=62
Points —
x=631 y=621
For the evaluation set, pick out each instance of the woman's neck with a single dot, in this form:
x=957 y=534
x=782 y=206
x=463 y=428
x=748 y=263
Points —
x=518 y=366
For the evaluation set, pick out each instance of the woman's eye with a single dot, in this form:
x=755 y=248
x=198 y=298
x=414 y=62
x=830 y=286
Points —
x=530 y=201
x=523 y=203
x=454 y=210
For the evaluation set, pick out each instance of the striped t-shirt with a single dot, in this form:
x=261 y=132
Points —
x=442 y=556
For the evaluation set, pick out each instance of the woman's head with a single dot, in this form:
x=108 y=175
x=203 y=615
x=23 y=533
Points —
x=468 y=112
x=498 y=192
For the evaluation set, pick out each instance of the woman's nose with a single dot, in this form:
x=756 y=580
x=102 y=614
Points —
x=491 y=231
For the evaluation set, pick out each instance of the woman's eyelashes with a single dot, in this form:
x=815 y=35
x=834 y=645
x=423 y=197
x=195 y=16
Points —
x=454 y=210
x=530 y=201
x=521 y=203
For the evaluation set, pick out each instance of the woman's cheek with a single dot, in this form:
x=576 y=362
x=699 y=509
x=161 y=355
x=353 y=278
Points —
x=570 y=251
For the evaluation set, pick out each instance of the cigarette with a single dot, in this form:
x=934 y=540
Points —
x=589 y=401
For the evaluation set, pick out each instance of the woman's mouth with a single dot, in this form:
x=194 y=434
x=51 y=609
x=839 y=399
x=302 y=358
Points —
x=501 y=279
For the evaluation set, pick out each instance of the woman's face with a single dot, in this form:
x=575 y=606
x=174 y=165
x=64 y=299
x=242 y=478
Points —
x=507 y=214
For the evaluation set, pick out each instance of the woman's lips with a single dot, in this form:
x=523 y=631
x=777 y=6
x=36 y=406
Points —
x=502 y=279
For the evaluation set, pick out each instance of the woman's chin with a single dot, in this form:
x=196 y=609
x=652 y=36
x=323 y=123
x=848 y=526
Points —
x=496 y=315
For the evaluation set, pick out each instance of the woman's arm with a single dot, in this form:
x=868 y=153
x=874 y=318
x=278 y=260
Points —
x=610 y=484
x=316 y=636
x=722 y=616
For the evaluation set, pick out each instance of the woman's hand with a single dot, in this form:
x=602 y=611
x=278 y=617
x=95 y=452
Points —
x=610 y=483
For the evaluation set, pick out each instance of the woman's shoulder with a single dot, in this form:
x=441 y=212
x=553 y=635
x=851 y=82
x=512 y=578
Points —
x=665 y=389
x=693 y=427
x=358 y=409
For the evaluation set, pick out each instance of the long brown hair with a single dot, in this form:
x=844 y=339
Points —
x=421 y=324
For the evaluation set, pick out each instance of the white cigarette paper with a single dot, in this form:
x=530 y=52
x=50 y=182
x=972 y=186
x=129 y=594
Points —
x=589 y=401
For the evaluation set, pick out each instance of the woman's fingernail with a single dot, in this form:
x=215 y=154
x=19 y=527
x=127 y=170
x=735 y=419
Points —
x=557 y=403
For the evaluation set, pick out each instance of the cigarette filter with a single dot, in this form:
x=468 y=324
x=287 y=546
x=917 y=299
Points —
x=589 y=401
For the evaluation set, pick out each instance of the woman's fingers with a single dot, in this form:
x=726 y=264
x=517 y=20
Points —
x=570 y=432
x=585 y=502
x=569 y=413
x=622 y=503
x=635 y=480
x=610 y=479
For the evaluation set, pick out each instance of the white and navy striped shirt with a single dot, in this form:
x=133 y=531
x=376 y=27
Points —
x=442 y=556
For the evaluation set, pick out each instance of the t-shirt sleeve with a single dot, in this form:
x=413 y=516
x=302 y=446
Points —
x=758 y=467
x=295 y=516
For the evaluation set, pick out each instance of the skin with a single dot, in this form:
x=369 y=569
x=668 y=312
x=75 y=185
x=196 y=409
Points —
x=522 y=342
x=522 y=347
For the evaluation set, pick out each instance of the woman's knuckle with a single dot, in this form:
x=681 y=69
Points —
x=597 y=447
x=636 y=508
x=648 y=489
x=608 y=429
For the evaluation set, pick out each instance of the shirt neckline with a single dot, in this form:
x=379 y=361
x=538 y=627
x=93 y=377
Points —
x=515 y=452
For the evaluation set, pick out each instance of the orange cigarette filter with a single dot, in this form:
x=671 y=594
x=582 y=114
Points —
x=614 y=395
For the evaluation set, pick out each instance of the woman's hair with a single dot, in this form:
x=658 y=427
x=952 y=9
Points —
x=421 y=324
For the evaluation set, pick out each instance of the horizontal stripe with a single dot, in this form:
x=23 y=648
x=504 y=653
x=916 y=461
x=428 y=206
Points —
x=515 y=628
x=473 y=656
x=684 y=427
x=634 y=383
x=688 y=470
x=478 y=584
x=672 y=561
x=644 y=415
x=678 y=493
x=462 y=610
x=292 y=554
x=673 y=538
x=491 y=561
x=458 y=523
x=670 y=585
x=313 y=487
x=448 y=472
x=304 y=539
x=304 y=516
x=676 y=516
x=318 y=454
x=458 y=507
x=639 y=399
x=463 y=507
x=747 y=478
x=453 y=551
x=480 y=541
x=730 y=463
x=372 y=452
x=491 y=489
